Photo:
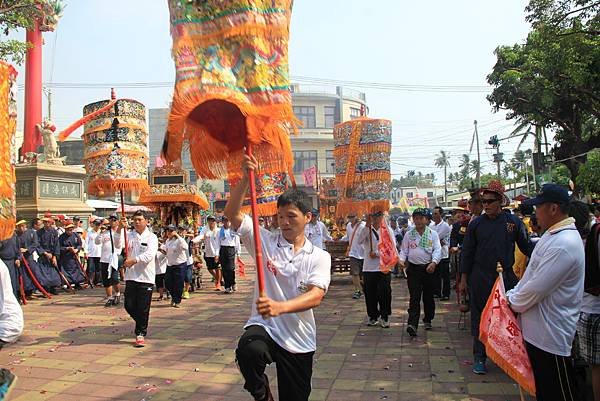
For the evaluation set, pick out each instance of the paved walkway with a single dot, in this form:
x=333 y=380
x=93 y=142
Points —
x=75 y=349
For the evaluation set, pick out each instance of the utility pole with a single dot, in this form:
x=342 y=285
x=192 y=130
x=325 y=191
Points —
x=498 y=157
x=476 y=138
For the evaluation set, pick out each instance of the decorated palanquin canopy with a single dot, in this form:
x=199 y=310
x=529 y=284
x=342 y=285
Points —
x=269 y=186
x=8 y=126
x=232 y=85
x=116 y=147
x=171 y=184
x=362 y=165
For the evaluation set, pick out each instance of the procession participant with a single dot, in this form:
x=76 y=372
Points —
x=94 y=251
x=229 y=247
x=161 y=267
x=176 y=251
x=109 y=241
x=316 y=231
x=142 y=246
x=490 y=239
x=59 y=225
x=48 y=251
x=420 y=254
x=210 y=236
x=11 y=314
x=548 y=297
x=459 y=228
x=281 y=328
x=11 y=255
x=355 y=252
x=187 y=234
x=474 y=204
x=29 y=249
x=377 y=285
x=274 y=225
x=70 y=244
x=441 y=274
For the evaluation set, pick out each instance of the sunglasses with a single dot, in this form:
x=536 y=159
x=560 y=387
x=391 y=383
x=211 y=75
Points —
x=488 y=201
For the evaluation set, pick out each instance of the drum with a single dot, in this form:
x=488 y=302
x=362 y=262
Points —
x=8 y=125
x=362 y=165
x=116 y=148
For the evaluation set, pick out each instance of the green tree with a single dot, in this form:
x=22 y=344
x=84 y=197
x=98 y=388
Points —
x=553 y=79
x=589 y=174
x=21 y=14
x=475 y=168
x=442 y=160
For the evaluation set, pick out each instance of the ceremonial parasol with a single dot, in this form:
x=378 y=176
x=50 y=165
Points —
x=8 y=124
x=116 y=148
x=232 y=92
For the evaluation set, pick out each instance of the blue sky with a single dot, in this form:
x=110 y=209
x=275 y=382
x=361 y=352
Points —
x=388 y=41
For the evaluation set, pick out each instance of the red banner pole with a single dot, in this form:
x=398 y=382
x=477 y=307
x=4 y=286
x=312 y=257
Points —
x=255 y=226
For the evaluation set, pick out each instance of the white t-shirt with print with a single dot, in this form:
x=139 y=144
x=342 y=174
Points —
x=287 y=275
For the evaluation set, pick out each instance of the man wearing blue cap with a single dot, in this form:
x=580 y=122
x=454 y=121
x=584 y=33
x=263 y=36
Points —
x=548 y=297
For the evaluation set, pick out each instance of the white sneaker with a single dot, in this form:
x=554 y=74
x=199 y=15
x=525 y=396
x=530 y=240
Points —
x=385 y=323
x=372 y=322
x=228 y=290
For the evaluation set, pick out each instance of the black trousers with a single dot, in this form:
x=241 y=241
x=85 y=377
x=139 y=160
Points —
x=554 y=376
x=227 y=261
x=442 y=279
x=256 y=349
x=420 y=283
x=174 y=281
x=378 y=294
x=138 y=297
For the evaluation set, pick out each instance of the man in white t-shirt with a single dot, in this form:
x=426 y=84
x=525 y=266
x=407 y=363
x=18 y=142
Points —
x=316 y=231
x=441 y=275
x=109 y=241
x=355 y=252
x=281 y=327
x=210 y=236
x=94 y=251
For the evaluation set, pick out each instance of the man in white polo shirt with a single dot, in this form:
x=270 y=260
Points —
x=142 y=246
x=281 y=327
x=355 y=252
x=548 y=296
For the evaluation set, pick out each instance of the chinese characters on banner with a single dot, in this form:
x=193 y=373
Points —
x=499 y=330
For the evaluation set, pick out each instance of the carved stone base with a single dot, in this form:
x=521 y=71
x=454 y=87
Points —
x=44 y=187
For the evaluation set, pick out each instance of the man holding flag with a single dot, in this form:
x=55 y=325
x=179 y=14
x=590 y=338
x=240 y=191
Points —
x=548 y=297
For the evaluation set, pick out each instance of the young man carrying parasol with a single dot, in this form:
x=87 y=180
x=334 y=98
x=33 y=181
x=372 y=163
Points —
x=281 y=327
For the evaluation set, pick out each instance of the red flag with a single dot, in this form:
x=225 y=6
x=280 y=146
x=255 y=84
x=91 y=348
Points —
x=388 y=255
x=310 y=176
x=500 y=332
x=241 y=268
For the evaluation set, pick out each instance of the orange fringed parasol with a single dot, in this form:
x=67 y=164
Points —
x=232 y=91
x=8 y=124
x=362 y=159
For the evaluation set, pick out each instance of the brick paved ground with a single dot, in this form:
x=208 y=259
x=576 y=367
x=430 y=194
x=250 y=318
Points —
x=75 y=349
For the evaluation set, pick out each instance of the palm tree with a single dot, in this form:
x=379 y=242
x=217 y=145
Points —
x=475 y=168
x=443 y=160
x=465 y=166
x=524 y=129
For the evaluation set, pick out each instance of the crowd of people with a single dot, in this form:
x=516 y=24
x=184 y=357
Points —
x=548 y=248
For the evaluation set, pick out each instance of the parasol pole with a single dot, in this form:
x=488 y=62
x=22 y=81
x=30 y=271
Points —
x=123 y=215
x=256 y=228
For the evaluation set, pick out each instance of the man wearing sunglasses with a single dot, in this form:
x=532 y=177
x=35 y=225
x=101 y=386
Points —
x=490 y=239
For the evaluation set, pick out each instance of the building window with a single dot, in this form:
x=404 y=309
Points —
x=330 y=162
x=193 y=177
x=306 y=114
x=354 y=112
x=329 y=117
x=409 y=194
x=430 y=194
x=304 y=159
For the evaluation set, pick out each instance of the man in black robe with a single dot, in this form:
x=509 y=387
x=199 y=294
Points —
x=70 y=244
x=10 y=255
x=50 y=250
x=490 y=238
